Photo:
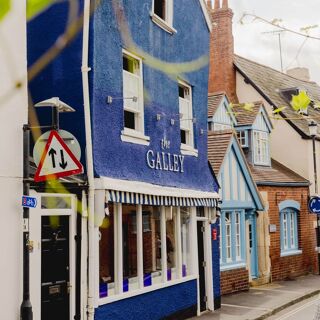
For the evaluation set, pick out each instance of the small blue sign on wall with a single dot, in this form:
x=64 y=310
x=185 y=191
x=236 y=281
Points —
x=314 y=205
x=29 y=202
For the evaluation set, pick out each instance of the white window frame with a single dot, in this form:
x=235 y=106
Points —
x=118 y=263
x=242 y=136
x=167 y=23
x=135 y=135
x=186 y=123
x=289 y=232
x=221 y=126
x=261 y=155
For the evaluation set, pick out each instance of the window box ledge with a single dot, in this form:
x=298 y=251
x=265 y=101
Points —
x=162 y=24
x=188 y=150
x=133 y=136
x=290 y=253
x=232 y=266
x=125 y=295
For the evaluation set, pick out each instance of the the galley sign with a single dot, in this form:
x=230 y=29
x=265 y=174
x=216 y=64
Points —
x=164 y=160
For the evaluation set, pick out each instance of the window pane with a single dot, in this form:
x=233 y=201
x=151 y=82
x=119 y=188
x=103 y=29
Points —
x=151 y=245
x=159 y=8
x=129 y=247
x=171 y=242
x=238 y=236
x=228 y=235
x=185 y=240
x=183 y=136
x=106 y=250
x=48 y=202
x=129 y=120
x=285 y=232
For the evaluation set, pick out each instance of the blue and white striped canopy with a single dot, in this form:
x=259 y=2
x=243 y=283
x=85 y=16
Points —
x=144 y=199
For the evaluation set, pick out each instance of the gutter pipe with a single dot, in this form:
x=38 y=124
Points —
x=89 y=157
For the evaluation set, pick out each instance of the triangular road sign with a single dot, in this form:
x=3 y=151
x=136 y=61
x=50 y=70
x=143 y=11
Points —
x=57 y=160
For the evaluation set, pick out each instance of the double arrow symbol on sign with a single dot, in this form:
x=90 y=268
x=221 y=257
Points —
x=52 y=153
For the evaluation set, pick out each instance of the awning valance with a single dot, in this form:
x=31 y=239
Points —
x=155 y=200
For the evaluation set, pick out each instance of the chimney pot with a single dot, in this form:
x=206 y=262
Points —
x=299 y=73
x=216 y=4
x=209 y=4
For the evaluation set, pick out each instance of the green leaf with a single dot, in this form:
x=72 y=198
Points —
x=5 y=6
x=300 y=101
x=278 y=110
x=248 y=106
x=35 y=7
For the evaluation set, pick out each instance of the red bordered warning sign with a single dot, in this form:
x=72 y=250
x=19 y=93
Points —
x=57 y=160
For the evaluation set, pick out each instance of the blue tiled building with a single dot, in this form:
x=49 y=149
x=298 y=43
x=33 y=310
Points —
x=155 y=193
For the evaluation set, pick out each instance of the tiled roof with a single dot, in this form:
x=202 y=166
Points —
x=246 y=117
x=276 y=174
x=214 y=100
x=218 y=143
x=270 y=82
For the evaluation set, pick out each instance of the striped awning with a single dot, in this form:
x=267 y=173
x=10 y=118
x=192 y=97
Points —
x=145 y=199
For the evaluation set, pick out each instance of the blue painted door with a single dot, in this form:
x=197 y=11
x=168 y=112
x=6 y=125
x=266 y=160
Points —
x=253 y=256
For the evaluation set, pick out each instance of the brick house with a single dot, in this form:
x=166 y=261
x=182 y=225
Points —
x=285 y=234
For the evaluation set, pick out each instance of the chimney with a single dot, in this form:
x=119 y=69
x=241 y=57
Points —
x=222 y=74
x=299 y=73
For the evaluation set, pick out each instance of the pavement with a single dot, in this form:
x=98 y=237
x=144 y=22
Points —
x=265 y=301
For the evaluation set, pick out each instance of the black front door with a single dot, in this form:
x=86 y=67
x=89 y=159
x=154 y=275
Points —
x=55 y=276
x=201 y=261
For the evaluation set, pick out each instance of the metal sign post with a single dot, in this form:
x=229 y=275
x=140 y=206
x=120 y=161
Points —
x=26 y=307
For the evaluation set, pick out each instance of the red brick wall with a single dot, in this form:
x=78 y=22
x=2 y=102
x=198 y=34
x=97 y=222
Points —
x=291 y=266
x=234 y=280
x=222 y=75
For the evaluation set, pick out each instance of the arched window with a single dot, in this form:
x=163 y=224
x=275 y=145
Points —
x=289 y=226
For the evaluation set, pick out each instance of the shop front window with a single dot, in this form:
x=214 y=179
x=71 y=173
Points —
x=143 y=246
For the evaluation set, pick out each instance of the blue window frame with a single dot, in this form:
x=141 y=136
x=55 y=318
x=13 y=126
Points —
x=232 y=237
x=289 y=229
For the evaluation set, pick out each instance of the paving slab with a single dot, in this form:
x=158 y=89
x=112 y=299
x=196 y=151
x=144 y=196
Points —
x=260 y=302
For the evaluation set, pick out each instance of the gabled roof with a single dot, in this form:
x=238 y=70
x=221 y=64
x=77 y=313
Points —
x=219 y=144
x=214 y=101
x=248 y=117
x=269 y=83
x=277 y=174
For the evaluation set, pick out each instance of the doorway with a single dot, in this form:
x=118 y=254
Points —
x=202 y=265
x=252 y=237
x=52 y=257
x=55 y=269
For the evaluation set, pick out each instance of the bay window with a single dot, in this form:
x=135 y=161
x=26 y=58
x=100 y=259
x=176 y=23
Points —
x=261 y=148
x=143 y=246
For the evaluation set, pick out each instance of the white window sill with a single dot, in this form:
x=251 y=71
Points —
x=188 y=150
x=162 y=24
x=290 y=253
x=133 y=136
x=137 y=292
x=232 y=266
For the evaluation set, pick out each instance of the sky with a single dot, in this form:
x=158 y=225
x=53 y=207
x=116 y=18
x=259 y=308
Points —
x=253 y=43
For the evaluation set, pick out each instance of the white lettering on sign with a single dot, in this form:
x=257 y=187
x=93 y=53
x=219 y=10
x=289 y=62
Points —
x=165 y=161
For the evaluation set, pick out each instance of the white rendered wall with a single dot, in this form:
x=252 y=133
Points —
x=13 y=114
x=287 y=146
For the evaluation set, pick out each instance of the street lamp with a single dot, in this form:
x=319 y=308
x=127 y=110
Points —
x=313 y=132
x=57 y=106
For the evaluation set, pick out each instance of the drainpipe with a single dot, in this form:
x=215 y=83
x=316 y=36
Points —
x=89 y=155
